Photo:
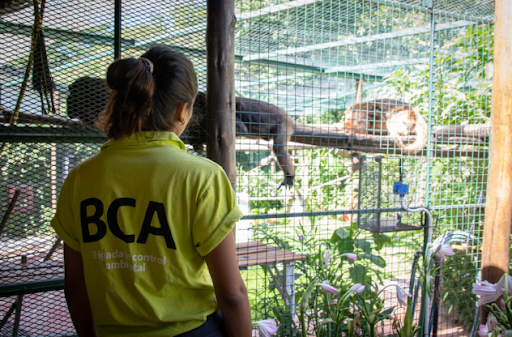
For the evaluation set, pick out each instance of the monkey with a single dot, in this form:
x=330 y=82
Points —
x=254 y=119
x=387 y=117
x=87 y=98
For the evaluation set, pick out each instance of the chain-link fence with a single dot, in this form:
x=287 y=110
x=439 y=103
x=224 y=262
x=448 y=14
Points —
x=361 y=94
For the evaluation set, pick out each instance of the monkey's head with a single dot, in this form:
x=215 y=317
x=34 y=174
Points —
x=353 y=121
x=195 y=133
x=401 y=121
x=87 y=98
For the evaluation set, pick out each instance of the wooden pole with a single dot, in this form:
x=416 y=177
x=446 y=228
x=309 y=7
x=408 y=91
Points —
x=498 y=208
x=220 y=100
x=359 y=91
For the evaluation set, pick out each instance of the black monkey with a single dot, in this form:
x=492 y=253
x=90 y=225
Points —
x=255 y=119
x=87 y=97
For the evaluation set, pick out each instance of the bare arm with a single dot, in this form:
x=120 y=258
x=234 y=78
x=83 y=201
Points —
x=230 y=288
x=76 y=293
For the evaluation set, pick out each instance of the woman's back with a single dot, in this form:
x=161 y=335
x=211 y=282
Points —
x=144 y=266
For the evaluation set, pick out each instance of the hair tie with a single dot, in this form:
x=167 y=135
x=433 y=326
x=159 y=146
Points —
x=147 y=63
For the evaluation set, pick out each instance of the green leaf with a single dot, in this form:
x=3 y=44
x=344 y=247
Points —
x=325 y=322
x=340 y=233
x=307 y=294
x=375 y=259
x=364 y=245
x=380 y=240
x=358 y=274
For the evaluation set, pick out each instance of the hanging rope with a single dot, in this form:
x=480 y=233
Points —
x=42 y=81
x=36 y=34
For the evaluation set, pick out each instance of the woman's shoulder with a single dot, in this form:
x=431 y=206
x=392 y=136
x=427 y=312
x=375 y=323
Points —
x=202 y=163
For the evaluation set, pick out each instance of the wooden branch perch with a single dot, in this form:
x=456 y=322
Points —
x=376 y=144
x=29 y=118
x=481 y=131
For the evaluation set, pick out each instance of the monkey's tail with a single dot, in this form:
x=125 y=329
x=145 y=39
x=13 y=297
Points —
x=420 y=142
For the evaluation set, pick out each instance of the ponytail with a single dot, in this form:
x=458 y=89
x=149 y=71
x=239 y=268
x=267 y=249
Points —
x=146 y=91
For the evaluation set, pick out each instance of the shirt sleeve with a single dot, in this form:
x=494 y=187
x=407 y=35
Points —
x=63 y=222
x=216 y=214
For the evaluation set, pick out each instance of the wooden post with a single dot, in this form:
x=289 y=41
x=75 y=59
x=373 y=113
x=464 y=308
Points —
x=220 y=101
x=359 y=91
x=498 y=208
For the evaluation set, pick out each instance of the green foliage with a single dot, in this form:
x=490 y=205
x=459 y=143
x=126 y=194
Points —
x=458 y=276
x=463 y=85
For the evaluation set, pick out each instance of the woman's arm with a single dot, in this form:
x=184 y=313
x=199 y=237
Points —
x=76 y=293
x=230 y=288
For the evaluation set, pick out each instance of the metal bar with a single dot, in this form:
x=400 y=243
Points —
x=379 y=189
x=273 y=9
x=424 y=309
x=16 y=289
x=60 y=34
x=289 y=278
x=9 y=210
x=7 y=315
x=357 y=40
x=431 y=108
x=387 y=64
x=447 y=207
x=318 y=70
x=17 y=315
x=319 y=213
x=117 y=29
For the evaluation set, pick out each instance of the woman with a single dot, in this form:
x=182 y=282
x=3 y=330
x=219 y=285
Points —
x=147 y=227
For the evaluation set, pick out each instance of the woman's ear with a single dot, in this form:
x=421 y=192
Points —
x=182 y=112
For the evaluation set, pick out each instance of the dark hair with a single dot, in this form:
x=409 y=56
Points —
x=144 y=101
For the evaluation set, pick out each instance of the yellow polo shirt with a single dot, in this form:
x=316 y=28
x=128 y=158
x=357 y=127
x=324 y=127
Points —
x=144 y=213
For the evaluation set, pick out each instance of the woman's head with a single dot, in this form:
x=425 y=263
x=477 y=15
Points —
x=145 y=100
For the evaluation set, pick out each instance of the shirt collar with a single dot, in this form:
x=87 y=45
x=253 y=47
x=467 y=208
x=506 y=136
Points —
x=147 y=138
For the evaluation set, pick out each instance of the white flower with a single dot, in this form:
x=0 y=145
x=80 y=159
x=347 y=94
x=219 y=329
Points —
x=267 y=327
x=328 y=288
x=327 y=258
x=483 y=331
x=486 y=291
x=443 y=250
x=351 y=256
x=357 y=288
x=490 y=292
x=401 y=294
x=492 y=322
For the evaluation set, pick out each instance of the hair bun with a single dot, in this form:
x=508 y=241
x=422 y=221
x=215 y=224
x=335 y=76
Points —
x=147 y=63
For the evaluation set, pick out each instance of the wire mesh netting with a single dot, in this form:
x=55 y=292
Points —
x=359 y=94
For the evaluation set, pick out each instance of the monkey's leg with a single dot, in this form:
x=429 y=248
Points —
x=280 y=149
x=241 y=128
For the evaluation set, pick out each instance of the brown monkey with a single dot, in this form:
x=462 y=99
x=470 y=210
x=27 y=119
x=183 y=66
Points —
x=386 y=116
x=255 y=119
